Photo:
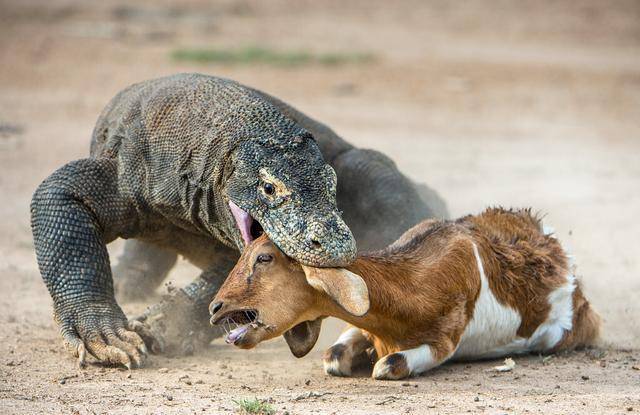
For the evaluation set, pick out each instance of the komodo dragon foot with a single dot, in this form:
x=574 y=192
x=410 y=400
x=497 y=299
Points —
x=105 y=333
x=69 y=211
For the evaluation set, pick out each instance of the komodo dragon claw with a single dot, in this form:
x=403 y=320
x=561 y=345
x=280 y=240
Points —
x=107 y=336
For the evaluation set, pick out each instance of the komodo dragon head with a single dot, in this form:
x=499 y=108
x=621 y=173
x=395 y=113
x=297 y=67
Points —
x=230 y=146
x=282 y=186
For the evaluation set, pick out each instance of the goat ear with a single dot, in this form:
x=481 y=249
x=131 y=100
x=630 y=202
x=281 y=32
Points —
x=346 y=288
x=303 y=337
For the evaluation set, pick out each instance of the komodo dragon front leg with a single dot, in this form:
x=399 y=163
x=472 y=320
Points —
x=75 y=213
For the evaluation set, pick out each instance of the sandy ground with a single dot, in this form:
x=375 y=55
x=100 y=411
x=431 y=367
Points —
x=537 y=104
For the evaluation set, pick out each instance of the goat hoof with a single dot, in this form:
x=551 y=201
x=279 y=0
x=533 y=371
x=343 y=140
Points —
x=391 y=367
x=336 y=361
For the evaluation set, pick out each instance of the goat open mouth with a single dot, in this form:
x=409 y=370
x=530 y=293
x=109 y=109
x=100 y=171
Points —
x=237 y=323
x=250 y=228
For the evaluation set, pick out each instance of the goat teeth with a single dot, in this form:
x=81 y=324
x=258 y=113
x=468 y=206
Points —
x=259 y=324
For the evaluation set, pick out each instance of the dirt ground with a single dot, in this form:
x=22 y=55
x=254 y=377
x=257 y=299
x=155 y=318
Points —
x=496 y=103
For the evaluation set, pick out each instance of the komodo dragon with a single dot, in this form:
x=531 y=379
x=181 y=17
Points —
x=199 y=166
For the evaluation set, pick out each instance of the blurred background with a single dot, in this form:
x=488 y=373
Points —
x=497 y=103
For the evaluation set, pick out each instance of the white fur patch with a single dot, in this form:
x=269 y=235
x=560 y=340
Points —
x=492 y=331
x=560 y=318
x=420 y=359
x=349 y=336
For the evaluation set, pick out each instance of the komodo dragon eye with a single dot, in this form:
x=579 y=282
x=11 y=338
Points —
x=269 y=188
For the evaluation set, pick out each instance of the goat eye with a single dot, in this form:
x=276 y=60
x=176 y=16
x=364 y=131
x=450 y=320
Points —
x=264 y=258
x=269 y=188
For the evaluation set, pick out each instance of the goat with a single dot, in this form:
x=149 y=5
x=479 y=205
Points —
x=479 y=287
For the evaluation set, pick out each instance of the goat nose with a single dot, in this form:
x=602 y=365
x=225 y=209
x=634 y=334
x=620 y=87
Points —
x=215 y=307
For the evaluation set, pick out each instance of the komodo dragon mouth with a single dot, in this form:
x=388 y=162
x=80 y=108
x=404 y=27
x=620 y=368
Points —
x=250 y=228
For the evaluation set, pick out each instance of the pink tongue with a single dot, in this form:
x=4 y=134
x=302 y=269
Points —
x=235 y=334
x=243 y=220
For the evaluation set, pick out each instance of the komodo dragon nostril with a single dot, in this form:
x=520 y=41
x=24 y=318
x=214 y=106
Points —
x=313 y=239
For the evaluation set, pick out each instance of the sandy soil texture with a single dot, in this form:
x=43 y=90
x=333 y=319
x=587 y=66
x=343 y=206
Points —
x=496 y=103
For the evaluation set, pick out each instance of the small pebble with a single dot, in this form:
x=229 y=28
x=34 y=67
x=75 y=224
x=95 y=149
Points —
x=163 y=370
x=62 y=381
x=585 y=377
x=476 y=399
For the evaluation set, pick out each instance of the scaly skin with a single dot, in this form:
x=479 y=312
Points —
x=172 y=159
x=70 y=212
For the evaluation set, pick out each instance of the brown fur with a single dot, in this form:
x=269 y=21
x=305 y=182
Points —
x=521 y=263
x=423 y=288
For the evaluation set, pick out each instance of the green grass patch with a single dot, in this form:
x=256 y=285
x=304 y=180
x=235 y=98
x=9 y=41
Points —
x=260 y=55
x=254 y=406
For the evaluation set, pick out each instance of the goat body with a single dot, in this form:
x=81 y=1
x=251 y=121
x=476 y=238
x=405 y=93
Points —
x=479 y=287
